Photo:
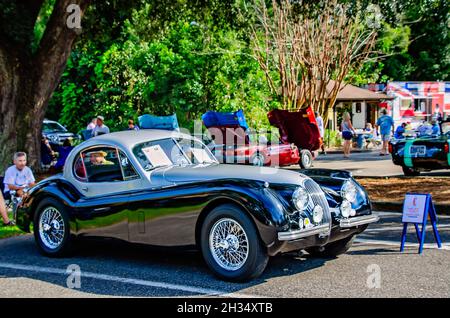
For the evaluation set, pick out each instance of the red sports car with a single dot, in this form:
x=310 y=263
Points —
x=233 y=143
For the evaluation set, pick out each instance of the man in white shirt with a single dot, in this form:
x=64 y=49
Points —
x=100 y=129
x=319 y=121
x=19 y=176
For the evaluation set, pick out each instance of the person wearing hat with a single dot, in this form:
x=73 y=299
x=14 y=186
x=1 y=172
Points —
x=100 y=128
x=97 y=158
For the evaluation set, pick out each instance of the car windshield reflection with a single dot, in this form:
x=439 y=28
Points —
x=172 y=152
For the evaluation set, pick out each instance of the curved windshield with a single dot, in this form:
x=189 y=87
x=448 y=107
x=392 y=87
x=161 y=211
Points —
x=446 y=129
x=168 y=152
x=52 y=127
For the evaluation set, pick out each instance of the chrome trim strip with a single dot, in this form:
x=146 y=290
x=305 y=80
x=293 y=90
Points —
x=293 y=235
x=359 y=220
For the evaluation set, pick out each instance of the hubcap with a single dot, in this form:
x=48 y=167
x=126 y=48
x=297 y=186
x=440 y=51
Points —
x=228 y=244
x=306 y=160
x=51 y=228
x=258 y=161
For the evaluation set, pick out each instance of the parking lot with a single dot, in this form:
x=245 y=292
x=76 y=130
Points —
x=116 y=269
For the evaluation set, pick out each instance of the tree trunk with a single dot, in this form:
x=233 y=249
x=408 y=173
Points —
x=27 y=82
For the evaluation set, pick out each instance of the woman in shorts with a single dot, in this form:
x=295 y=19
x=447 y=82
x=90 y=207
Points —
x=347 y=133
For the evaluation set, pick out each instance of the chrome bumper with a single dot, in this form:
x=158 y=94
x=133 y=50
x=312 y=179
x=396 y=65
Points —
x=294 y=235
x=359 y=220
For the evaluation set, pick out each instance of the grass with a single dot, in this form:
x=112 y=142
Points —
x=9 y=231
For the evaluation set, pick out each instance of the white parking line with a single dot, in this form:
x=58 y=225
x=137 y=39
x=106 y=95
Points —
x=124 y=280
x=400 y=228
x=445 y=246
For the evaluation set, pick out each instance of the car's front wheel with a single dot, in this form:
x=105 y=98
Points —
x=52 y=229
x=410 y=172
x=230 y=244
x=333 y=249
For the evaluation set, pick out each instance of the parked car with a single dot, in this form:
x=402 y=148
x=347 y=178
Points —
x=234 y=142
x=56 y=133
x=166 y=188
x=424 y=153
x=299 y=128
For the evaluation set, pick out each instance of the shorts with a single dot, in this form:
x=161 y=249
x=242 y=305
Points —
x=347 y=135
x=386 y=137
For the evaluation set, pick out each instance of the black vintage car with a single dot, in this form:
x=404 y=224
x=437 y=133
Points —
x=166 y=188
x=425 y=153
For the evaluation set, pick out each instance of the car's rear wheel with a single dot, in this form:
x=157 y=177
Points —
x=333 y=249
x=52 y=229
x=410 y=172
x=230 y=244
x=306 y=159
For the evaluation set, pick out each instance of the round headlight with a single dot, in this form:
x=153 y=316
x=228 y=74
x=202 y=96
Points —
x=300 y=199
x=348 y=191
x=346 y=209
x=317 y=214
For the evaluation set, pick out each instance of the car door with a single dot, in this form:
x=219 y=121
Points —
x=105 y=177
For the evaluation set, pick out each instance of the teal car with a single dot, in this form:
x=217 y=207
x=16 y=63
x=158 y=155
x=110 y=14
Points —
x=425 y=153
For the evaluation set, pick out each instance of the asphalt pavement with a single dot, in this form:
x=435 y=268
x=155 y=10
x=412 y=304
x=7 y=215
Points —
x=366 y=164
x=373 y=267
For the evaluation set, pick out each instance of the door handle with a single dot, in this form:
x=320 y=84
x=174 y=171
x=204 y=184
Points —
x=102 y=209
x=85 y=189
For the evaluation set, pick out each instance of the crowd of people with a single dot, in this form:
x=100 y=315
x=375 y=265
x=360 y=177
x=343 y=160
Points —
x=384 y=129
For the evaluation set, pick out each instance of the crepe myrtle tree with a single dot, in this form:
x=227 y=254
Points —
x=307 y=48
x=30 y=72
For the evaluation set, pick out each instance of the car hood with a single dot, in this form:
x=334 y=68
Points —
x=228 y=171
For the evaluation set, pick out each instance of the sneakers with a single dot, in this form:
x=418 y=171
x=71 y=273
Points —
x=10 y=223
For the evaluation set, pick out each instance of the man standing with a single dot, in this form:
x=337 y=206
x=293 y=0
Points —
x=19 y=176
x=386 y=124
x=100 y=129
x=319 y=121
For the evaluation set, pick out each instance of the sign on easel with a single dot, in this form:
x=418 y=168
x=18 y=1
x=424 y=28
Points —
x=417 y=208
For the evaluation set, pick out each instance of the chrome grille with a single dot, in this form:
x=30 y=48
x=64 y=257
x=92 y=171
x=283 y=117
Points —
x=318 y=197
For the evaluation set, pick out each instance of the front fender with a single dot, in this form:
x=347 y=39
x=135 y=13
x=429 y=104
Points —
x=58 y=189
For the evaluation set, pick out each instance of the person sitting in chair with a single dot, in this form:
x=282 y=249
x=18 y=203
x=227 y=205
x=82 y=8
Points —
x=18 y=177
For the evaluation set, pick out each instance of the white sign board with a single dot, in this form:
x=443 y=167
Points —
x=156 y=155
x=200 y=155
x=414 y=208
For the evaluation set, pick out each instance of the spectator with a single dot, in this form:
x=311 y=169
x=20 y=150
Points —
x=4 y=212
x=132 y=126
x=100 y=128
x=435 y=129
x=400 y=131
x=19 y=176
x=92 y=124
x=47 y=153
x=319 y=120
x=64 y=152
x=386 y=124
x=347 y=133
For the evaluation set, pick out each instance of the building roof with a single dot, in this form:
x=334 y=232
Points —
x=350 y=92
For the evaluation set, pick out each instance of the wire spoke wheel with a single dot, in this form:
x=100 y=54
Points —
x=229 y=244
x=51 y=228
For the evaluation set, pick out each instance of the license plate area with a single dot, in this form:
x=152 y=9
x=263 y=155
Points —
x=418 y=150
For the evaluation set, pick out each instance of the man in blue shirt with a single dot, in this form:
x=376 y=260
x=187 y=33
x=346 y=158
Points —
x=400 y=131
x=386 y=124
x=435 y=129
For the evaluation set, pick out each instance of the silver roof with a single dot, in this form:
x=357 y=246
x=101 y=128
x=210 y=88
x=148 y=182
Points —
x=129 y=138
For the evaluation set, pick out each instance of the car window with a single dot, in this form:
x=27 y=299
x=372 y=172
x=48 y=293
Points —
x=101 y=164
x=196 y=152
x=159 y=153
x=129 y=173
